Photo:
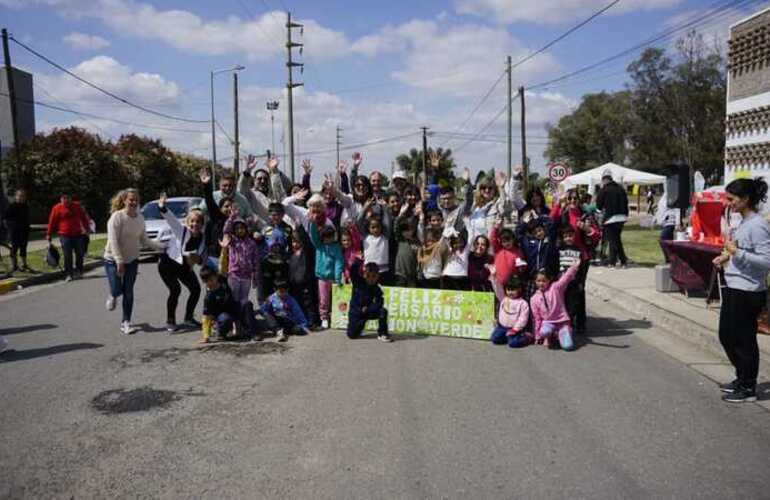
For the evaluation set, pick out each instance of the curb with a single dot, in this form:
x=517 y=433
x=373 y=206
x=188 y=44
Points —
x=668 y=321
x=11 y=284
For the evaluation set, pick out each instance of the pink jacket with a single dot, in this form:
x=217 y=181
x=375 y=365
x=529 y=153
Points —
x=549 y=306
x=513 y=313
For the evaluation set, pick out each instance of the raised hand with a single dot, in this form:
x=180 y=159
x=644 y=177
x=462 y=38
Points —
x=225 y=241
x=435 y=159
x=357 y=159
x=307 y=166
x=301 y=195
x=205 y=175
x=328 y=181
x=272 y=165
x=467 y=174
x=162 y=200
x=500 y=179
x=342 y=167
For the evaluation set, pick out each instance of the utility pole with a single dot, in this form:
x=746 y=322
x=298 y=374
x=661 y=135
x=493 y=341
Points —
x=12 y=102
x=510 y=116
x=425 y=153
x=213 y=135
x=237 y=142
x=290 y=65
x=524 y=161
x=339 y=141
x=272 y=106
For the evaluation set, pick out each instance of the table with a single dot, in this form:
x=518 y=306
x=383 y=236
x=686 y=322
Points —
x=691 y=265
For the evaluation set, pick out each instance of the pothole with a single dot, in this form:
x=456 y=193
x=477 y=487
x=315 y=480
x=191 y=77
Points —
x=241 y=349
x=145 y=398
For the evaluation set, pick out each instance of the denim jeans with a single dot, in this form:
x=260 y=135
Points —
x=68 y=246
x=123 y=285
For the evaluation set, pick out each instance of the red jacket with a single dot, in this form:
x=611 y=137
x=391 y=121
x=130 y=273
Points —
x=68 y=221
x=507 y=262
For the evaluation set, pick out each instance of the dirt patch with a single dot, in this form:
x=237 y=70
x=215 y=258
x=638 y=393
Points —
x=117 y=401
x=240 y=349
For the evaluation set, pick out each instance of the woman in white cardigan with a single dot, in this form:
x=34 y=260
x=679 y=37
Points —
x=186 y=248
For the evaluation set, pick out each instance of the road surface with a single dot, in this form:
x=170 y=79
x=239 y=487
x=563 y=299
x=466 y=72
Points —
x=327 y=417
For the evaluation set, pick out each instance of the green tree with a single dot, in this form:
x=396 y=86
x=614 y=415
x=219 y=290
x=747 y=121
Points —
x=412 y=162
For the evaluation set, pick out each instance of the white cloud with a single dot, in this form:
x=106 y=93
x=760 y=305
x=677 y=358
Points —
x=551 y=11
x=82 y=41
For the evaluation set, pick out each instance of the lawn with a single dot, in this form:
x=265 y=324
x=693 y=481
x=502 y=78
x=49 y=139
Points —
x=36 y=259
x=641 y=245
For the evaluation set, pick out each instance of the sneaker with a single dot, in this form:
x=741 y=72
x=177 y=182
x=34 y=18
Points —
x=741 y=395
x=325 y=324
x=192 y=323
x=110 y=304
x=282 y=336
x=68 y=279
x=171 y=327
x=385 y=338
x=3 y=344
x=126 y=328
x=730 y=387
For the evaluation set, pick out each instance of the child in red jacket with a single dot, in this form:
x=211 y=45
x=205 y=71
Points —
x=508 y=259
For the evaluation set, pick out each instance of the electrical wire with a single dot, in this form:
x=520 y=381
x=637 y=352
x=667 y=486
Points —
x=100 y=89
x=478 y=105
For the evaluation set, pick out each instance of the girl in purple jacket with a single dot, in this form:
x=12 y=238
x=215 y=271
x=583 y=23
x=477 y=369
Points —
x=242 y=259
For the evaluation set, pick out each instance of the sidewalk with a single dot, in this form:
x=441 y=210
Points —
x=43 y=244
x=688 y=318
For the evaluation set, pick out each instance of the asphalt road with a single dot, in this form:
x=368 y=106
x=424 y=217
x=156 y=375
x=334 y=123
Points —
x=332 y=418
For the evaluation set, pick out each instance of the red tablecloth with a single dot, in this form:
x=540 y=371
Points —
x=691 y=264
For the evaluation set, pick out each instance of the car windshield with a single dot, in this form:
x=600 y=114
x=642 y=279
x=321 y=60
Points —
x=178 y=208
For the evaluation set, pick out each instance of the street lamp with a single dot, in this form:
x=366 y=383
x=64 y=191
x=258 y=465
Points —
x=272 y=106
x=213 y=121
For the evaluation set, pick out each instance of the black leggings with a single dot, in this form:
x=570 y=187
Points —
x=738 y=332
x=172 y=273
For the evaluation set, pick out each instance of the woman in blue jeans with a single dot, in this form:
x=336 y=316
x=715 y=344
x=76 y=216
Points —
x=125 y=238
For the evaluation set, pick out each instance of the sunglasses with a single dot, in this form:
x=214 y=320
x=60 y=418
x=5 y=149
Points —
x=487 y=188
x=359 y=185
x=262 y=178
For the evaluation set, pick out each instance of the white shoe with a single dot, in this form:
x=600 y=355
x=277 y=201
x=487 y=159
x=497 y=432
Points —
x=325 y=324
x=3 y=344
x=282 y=336
x=126 y=328
x=110 y=304
x=385 y=338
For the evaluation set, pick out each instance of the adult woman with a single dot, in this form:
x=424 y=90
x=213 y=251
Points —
x=747 y=255
x=186 y=247
x=69 y=221
x=125 y=237
x=17 y=219
x=489 y=204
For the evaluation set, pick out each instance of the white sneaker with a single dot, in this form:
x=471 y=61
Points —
x=110 y=304
x=282 y=336
x=325 y=324
x=126 y=328
x=3 y=344
x=385 y=338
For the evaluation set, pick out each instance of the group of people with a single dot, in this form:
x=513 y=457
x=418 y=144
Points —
x=270 y=252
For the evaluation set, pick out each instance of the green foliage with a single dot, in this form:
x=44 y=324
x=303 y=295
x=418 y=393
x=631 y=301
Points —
x=412 y=162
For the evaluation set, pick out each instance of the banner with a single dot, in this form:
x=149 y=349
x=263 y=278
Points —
x=447 y=313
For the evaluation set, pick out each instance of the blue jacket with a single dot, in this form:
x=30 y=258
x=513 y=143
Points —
x=540 y=254
x=329 y=260
x=367 y=300
x=284 y=308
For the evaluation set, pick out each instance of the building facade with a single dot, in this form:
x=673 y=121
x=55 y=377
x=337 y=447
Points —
x=25 y=109
x=747 y=134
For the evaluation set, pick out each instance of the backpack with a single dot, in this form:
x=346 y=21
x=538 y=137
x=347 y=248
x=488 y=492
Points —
x=52 y=256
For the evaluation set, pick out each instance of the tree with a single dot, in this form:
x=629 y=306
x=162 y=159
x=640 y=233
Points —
x=411 y=163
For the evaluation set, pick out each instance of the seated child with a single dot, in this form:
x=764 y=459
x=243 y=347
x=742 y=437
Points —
x=328 y=267
x=513 y=314
x=283 y=314
x=548 y=309
x=479 y=261
x=222 y=311
x=367 y=302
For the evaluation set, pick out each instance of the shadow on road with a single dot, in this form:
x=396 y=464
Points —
x=763 y=391
x=14 y=355
x=27 y=328
x=600 y=327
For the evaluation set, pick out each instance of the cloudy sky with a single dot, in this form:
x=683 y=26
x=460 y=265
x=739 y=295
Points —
x=379 y=70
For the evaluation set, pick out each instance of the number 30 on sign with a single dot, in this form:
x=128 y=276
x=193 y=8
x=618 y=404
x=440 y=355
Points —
x=557 y=172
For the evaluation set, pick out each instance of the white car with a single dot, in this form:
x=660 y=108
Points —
x=157 y=228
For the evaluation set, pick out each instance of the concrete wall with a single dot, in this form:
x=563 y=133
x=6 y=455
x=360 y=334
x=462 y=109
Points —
x=25 y=110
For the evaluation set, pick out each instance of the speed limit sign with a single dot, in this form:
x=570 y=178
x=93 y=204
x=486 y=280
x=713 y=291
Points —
x=557 y=172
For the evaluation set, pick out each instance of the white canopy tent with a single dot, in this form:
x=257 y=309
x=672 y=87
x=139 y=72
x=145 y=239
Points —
x=620 y=174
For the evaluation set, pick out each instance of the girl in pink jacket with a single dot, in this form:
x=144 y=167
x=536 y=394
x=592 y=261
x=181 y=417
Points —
x=548 y=309
x=513 y=315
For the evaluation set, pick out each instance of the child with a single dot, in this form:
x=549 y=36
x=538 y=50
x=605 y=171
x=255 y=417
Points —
x=221 y=310
x=283 y=314
x=303 y=284
x=455 y=273
x=512 y=316
x=274 y=268
x=276 y=229
x=406 y=255
x=479 y=261
x=328 y=267
x=537 y=240
x=429 y=259
x=575 y=295
x=548 y=309
x=242 y=266
x=350 y=239
x=376 y=241
x=508 y=259
x=367 y=302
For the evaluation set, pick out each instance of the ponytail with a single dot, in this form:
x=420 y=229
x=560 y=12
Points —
x=753 y=189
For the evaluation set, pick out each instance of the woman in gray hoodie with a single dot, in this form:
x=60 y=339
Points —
x=746 y=259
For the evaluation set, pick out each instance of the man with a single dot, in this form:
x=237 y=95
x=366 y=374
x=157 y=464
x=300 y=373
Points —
x=612 y=200
x=69 y=221
x=263 y=187
x=452 y=212
x=399 y=182
x=378 y=191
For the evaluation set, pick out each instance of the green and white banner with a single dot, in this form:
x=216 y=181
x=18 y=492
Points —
x=430 y=312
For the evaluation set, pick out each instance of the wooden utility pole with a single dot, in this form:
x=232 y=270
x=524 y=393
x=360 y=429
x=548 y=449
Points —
x=510 y=116
x=12 y=102
x=425 y=153
x=290 y=85
x=236 y=143
x=524 y=159
x=339 y=141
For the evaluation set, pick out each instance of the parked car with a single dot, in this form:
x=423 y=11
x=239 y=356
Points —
x=156 y=227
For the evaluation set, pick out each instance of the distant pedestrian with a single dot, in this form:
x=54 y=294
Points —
x=747 y=259
x=70 y=222
x=612 y=200
x=125 y=237
x=17 y=221
x=650 y=201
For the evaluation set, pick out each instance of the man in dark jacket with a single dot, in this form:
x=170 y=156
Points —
x=612 y=200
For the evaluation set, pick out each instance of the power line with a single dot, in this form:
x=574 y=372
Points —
x=666 y=34
x=85 y=118
x=100 y=89
x=476 y=108
x=483 y=129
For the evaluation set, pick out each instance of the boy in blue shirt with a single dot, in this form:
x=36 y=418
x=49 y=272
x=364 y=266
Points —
x=283 y=314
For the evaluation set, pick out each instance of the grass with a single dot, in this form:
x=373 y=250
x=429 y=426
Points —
x=36 y=259
x=641 y=245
